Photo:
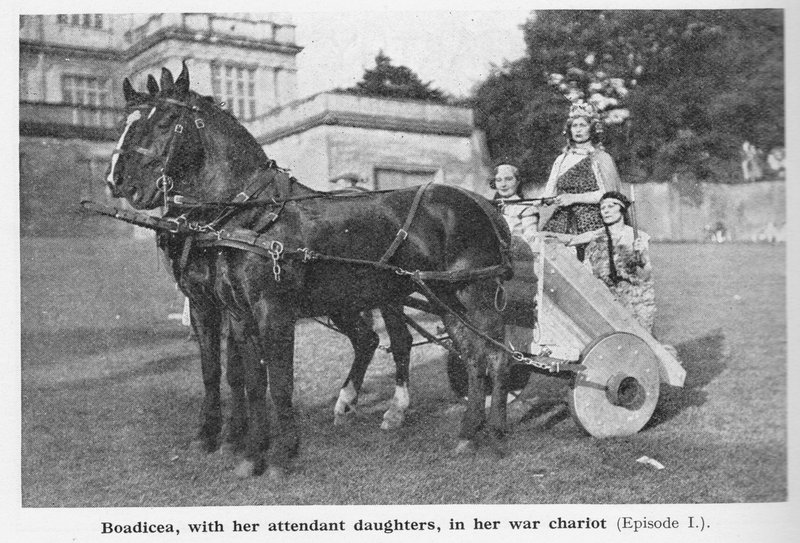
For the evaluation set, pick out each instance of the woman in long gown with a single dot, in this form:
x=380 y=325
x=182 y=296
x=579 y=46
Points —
x=580 y=175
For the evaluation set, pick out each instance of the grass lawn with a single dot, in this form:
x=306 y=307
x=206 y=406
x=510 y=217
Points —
x=111 y=394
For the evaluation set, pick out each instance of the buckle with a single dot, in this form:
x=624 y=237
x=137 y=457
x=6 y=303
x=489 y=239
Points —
x=174 y=225
x=164 y=183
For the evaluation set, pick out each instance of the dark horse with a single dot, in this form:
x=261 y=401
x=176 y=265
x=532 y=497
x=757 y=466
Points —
x=310 y=254
x=198 y=284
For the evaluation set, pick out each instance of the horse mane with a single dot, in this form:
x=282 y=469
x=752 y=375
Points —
x=209 y=106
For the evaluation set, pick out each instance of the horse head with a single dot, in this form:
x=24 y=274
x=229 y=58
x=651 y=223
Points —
x=175 y=142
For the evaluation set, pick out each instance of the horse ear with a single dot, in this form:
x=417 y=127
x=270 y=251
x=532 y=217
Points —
x=130 y=94
x=182 y=83
x=166 y=80
x=152 y=85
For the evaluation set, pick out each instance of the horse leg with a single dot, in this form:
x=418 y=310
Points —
x=400 y=339
x=364 y=341
x=484 y=315
x=474 y=417
x=205 y=320
x=236 y=429
x=475 y=302
x=286 y=443
x=253 y=364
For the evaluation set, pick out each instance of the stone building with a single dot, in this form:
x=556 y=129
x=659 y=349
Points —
x=388 y=144
x=71 y=70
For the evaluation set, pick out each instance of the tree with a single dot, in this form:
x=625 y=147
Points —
x=389 y=81
x=680 y=91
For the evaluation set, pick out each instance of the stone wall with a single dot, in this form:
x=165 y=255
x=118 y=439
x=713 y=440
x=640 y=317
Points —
x=747 y=211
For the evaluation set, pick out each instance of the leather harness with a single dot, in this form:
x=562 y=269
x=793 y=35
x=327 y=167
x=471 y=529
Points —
x=258 y=241
x=261 y=242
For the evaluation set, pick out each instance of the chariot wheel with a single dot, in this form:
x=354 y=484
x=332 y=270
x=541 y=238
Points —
x=616 y=394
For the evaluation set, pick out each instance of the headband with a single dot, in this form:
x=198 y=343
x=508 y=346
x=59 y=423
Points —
x=617 y=201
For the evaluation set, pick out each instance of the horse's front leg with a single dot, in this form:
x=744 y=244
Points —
x=253 y=370
x=236 y=428
x=286 y=441
x=493 y=359
x=498 y=364
x=477 y=303
x=401 y=340
x=364 y=341
x=205 y=318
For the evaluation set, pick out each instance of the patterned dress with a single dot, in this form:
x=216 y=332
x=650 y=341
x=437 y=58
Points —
x=634 y=285
x=576 y=218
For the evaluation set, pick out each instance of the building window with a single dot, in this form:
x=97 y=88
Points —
x=86 y=20
x=93 y=92
x=236 y=86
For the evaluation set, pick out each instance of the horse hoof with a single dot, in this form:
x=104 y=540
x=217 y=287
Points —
x=392 y=420
x=205 y=446
x=465 y=447
x=228 y=448
x=248 y=468
x=277 y=474
x=499 y=448
x=342 y=419
x=455 y=410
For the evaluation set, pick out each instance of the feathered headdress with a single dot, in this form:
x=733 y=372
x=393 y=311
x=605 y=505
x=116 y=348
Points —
x=580 y=108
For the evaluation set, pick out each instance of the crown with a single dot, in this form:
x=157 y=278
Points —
x=582 y=109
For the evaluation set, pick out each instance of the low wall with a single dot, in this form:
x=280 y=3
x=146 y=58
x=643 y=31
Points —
x=746 y=212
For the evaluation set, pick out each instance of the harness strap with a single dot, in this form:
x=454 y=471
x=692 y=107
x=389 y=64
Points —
x=269 y=219
x=455 y=276
x=187 y=248
x=134 y=217
x=542 y=363
x=237 y=238
x=255 y=188
x=402 y=234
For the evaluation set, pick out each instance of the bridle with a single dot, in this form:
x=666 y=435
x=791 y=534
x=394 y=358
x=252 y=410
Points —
x=164 y=182
x=169 y=188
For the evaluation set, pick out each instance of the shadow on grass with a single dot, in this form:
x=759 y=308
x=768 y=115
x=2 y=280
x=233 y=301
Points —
x=703 y=359
x=39 y=347
x=158 y=366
